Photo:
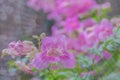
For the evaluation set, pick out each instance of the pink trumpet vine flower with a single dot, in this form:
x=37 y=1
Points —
x=54 y=53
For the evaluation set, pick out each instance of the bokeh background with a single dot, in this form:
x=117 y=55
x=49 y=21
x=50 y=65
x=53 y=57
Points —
x=18 y=21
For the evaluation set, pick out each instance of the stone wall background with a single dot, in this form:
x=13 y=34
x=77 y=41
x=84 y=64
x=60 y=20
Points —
x=18 y=21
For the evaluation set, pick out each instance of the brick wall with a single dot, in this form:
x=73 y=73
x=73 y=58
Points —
x=17 y=21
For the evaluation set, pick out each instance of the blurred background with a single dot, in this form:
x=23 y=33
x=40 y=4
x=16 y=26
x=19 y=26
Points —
x=18 y=21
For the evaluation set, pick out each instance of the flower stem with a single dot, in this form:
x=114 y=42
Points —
x=54 y=78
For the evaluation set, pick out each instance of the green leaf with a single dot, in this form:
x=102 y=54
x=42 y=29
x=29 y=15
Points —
x=112 y=76
x=85 y=61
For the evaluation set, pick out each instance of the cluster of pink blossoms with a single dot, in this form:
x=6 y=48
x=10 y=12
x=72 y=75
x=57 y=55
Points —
x=20 y=48
x=80 y=34
x=87 y=35
x=63 y=9
x=54 y=54
x=73 y=33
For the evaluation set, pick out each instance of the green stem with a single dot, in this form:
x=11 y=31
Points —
x=54 y=78
x=39 y=43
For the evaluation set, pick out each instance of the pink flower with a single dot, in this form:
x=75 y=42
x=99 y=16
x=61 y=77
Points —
x=92 y=73
x=20 y=48
x=92 y=56
x=73 y=44
x=61 y=9
x=71 y=24
x=106 y=5
x=97 y=59
x=83 y=41
x=46 y=5
x=104 y=30
x=107 y=55
x=79 y=43
x=54 y=53
x=88 y=22
x=92 y=38
x=71 y=8
x=36 y=4
x=115 y=21
x=56 y=31
x=23 y=67
x=86 y=5
x=84 y=74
